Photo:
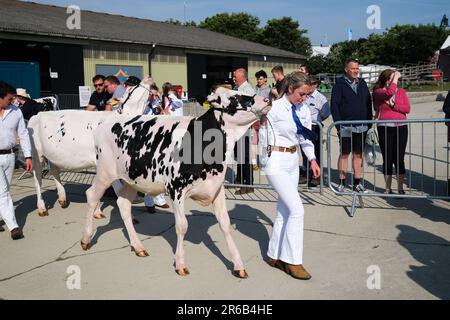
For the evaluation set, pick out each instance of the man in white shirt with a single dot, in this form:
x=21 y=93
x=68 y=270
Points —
x=320 y=111
x=244 y=173
x=240 y=78
x=11 y=124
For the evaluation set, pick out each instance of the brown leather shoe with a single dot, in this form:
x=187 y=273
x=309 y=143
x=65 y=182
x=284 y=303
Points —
x=297 y=271
x=244 y=191
x=272 y=262
x=16 y=234
x=276 y=263
x=164 y=206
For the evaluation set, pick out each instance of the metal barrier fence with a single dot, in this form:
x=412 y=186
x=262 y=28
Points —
x=427 y=165
x=68 y=101
x=426 y=168
x=245 y=149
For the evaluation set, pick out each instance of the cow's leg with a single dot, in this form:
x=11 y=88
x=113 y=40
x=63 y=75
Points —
x=220 y=210
x=62 y=199
x=124 y=201
x=37 y=176
x=181 y=225
x=93 y=196
x=98 y=214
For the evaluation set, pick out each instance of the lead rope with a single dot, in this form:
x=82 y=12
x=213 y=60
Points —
x=268 y=146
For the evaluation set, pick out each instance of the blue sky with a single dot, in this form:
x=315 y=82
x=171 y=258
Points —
x=324 y=19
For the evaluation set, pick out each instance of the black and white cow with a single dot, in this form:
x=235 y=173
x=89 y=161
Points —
x=184 y=156
x=65 y=139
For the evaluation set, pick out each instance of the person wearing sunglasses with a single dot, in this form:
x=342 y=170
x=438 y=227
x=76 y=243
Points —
x=100 y=96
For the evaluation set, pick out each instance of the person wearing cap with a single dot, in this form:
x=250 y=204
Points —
x=11 y=124
x=100 y=96
x=320 y=111
x=28 y=106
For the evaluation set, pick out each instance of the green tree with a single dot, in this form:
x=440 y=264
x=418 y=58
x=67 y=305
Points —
x=397 y=46
x=342 y=51
x=318 y=64
x=371 y=50
x=285 y=33
x=410 y=44
x=240 y=25
x=179 y=23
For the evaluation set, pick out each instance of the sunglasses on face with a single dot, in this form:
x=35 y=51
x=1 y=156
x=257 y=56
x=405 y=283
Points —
x=98 y=85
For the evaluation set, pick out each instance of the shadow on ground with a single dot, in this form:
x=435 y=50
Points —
x=244 y=219
x=433 y=252
x=76 y=193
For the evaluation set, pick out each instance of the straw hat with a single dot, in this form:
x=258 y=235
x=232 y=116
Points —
x=23 y=93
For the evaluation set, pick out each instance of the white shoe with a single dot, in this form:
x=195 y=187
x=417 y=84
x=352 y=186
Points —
x=359 y=188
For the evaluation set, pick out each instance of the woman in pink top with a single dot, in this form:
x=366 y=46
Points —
x=391 y=103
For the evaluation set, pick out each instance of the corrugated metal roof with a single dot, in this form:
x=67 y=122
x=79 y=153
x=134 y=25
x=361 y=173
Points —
x=32 y=18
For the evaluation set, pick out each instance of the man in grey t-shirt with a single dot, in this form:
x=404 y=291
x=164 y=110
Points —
x=262 y=89
x=113 y=86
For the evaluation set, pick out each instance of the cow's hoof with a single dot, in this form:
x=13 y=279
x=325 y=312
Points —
x=99 y=215
x=85 y=246
x=240 y=274
x=182 y=272
x=141 y=254
x=43 y=213
x=63 y=203
x=135 y=221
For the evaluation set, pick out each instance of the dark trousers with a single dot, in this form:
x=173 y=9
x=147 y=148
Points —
x=317 y=145
x=448 y=139
x=244 y=173
x=393 y=142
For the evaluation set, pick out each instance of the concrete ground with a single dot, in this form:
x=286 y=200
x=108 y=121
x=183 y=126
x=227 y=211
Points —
x=405 y=242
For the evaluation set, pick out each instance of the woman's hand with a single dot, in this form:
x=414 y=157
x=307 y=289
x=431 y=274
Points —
x=315 y=169
x=29 y=165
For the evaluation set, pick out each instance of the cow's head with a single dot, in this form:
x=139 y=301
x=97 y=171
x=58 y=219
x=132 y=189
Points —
x=238 y=109
x=136 y=97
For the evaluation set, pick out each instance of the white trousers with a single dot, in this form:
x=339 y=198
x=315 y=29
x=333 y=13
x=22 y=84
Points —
x=7 y=162
x=159 y=200
x=148 y=200
x=286 y=242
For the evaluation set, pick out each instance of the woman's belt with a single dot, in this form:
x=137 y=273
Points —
x=7 y=151
x=283 y=149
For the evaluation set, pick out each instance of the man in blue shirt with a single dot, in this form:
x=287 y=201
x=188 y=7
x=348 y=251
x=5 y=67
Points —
x=351 y=100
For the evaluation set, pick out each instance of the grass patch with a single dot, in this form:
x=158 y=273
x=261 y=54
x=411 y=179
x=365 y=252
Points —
x=440 y=86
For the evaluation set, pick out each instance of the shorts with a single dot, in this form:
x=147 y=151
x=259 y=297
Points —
x=355 y=143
